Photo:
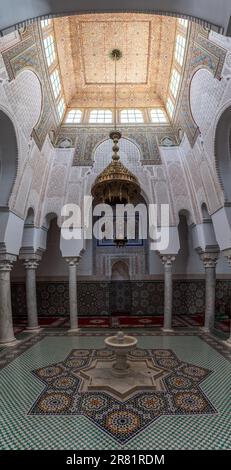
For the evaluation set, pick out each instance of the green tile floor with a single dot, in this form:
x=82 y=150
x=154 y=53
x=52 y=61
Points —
x=19 y=389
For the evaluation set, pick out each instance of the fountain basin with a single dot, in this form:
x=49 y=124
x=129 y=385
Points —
x=121 y=345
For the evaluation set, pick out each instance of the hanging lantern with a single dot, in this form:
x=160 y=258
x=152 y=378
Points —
x=116 y=184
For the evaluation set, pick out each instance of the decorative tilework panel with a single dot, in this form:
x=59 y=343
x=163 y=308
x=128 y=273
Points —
x=130 y=298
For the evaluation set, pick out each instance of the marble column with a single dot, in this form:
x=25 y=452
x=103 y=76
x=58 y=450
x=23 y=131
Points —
x=6 y=322
x=31 y=264
x=210 y=261
x=167 y=261
x=227 y=253
x=72 y=264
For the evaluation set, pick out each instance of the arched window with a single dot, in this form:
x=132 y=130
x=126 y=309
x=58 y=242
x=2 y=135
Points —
x=174 y=83
x=74 y=116
x=56 y=83
x=158 y=116
x=100 y=116
x=183 y=22
x=61 y=108
x=49 y=47
x=170 y=107
x=131 y=116
x=180 y=49
x=45 y=23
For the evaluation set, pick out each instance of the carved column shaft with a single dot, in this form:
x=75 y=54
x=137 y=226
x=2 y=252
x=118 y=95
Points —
x=72 y=264
x=6 y=322
x=31 y=298
x=210 y=261
x=168 y=261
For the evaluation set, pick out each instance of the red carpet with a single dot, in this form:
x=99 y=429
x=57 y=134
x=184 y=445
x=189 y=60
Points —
x=122 y=321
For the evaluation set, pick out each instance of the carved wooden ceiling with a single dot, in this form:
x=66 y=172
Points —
x=84 y=43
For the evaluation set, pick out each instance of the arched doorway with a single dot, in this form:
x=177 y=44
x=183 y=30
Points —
x=223 y=152
x=8 y=158
x=120 y=271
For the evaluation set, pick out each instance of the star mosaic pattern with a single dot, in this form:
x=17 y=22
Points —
x=122 y=419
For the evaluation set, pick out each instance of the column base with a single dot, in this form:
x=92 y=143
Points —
x=10 y=343
x=205 y=329
x=33 y=329
x=73 y=330
x=167 y=330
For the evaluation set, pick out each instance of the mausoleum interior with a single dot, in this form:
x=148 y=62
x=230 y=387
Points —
x=85 y=97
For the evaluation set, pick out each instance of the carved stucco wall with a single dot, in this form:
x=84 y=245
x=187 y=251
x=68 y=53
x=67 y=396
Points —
x=21 y=99
x=183 y=176
x=28 y=54
x=201 y=53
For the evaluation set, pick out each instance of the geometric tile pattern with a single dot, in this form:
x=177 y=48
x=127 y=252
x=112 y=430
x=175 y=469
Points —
x=19 y=388
x=122 y=419
x=146 y=298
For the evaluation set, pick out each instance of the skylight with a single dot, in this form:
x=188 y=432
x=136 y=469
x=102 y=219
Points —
x=56 y=84
x=180 y=48
x=100 y=116
x=158 y=116
x=175 y=81
x=74 y=116
x=49 y=49
x=131 y=116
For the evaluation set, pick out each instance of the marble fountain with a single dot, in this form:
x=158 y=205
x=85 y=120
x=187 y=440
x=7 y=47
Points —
x=122 y=369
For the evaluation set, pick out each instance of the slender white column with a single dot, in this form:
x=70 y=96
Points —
x=7 y=337
x=31 y=264
x=210 y=261
x=72 y=263
x=168 y=261
x=227 y=253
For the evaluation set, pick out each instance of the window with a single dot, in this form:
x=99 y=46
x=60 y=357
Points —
x=74 y=116
x=131 y=116
x=158 y=116
x=179 y=49
x=49 y=49
x=56 y=84
x=170 y=107
x=183 y=22
x=61 y=108
x=100 y=116
x=174 y=83
x=45 y=23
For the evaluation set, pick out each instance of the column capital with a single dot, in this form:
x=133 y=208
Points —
x=30 y=261
x=227 y=254
x=167 y=260
x=6 y=262
x=73 y=261
x=209 y=259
